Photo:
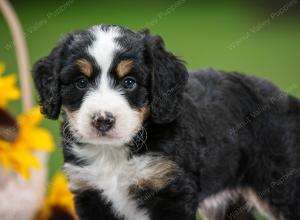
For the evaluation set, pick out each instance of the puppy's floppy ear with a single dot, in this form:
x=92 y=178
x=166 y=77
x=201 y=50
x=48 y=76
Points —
x=46 y=80
x=169 y=77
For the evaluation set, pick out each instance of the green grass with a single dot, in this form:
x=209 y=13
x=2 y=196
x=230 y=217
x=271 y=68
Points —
x=200 y=33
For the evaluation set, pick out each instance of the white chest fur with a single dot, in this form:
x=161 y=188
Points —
x=110 y=172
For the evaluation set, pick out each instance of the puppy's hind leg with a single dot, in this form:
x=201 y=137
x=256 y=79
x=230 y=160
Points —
x=222 y=207
x=239 y=210
x=221 y=214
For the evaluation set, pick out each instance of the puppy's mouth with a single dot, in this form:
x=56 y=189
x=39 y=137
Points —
x=106 y=139
x=111 y=138
x=107 y=135
x=105 y=128
x=104 y=134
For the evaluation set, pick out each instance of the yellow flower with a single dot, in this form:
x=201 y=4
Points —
x=8 y=88
x=19 y=155
x=59 y=203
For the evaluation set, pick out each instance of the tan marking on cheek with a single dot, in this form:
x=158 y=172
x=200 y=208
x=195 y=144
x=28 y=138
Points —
x=85 y=67
x=144 y=112
x=124 y=67
x=71 y=116
x=159 y=176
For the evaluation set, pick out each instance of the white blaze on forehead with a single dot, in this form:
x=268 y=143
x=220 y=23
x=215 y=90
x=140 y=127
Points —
x=103 y=49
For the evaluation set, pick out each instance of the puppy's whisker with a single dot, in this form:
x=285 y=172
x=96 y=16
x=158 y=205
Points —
x=140 y=140
x=143 y=139
x=70 y=134
x=146 y=136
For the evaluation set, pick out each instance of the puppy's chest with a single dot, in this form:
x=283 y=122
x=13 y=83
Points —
x=115 y=182
x=114 y=176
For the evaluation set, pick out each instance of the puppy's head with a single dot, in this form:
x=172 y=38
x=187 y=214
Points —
x=109 y=80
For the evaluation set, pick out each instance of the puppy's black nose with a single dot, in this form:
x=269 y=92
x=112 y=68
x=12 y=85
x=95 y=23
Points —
x=103 y=122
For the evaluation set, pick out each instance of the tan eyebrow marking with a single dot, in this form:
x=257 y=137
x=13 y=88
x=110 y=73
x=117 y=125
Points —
x=85 y=67
x=124 y=67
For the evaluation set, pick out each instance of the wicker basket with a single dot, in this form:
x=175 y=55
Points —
x=20 y=198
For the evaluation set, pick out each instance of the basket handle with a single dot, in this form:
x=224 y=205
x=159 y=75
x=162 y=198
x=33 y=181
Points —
x=21 y=52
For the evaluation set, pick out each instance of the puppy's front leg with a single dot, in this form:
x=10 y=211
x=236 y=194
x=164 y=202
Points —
x=165 y=192
x=89 y=203
x=91 y=206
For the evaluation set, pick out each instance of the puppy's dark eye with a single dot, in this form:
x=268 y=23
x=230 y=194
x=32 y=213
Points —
x=82 y=83
x=129 y=83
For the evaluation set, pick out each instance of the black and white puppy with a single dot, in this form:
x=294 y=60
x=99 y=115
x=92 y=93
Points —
x=145 y=140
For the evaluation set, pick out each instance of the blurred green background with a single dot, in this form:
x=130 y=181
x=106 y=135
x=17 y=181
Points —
x=255 y=37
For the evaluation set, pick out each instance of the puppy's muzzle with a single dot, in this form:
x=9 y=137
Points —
x=103 y=122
